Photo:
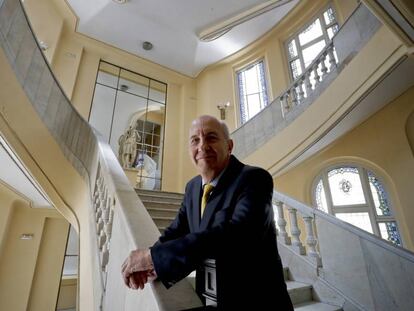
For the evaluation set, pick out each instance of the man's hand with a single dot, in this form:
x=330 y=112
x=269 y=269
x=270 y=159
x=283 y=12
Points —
x=138 y=269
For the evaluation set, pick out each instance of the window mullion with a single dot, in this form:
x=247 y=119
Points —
x=328 y=194
x=368 y=197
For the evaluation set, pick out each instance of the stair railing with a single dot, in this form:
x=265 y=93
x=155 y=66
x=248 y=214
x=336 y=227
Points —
x=115 y=220
x=352 y=36
x=307 y=83
x=372 y=273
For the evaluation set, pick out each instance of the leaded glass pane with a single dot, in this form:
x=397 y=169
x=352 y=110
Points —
x=379 y=196
x=262 y=83
x=296 y=68
x=310 y=53
x=329 y=16
x=320 y=196
x=242 y=91
x=293 y=51
x=345 y=185
x=389 y=232
x=360 y=220
x=312 y=32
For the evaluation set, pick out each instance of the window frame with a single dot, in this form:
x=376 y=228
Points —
x=300 y=48
x=243 y=67
x=368 y=207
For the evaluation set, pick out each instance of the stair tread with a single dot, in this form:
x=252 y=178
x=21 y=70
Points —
x=163 y=217
x=160 y=209
x=292 y=285
x=316 y=306
x=160 y=202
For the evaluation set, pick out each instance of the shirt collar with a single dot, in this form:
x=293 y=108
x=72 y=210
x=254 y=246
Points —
x=215 y=181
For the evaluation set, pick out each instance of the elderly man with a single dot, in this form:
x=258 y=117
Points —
x=227 y=215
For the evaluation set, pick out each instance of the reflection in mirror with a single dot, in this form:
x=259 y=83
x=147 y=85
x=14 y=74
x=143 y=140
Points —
x=128 y=109
x=107 y=75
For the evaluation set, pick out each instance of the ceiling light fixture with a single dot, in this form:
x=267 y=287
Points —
x=146 y=45
x=120 y=1
x=215 y=32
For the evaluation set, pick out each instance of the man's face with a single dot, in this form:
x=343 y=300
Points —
x=209 y=149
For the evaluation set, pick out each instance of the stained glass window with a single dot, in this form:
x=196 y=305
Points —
x=307 y=43
x=356 y=195
x=252 y=90
x=389 y=231
x=379 y=195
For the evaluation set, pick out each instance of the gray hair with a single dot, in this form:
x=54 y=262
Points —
x=225 y=129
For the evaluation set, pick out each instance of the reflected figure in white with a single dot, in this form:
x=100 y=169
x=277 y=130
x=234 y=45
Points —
x=149 y=172
x=128 y=147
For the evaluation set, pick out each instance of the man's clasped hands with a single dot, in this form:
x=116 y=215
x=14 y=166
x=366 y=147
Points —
x=138 y=269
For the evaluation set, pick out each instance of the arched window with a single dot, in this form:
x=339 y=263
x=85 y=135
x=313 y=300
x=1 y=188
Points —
x=356 y=195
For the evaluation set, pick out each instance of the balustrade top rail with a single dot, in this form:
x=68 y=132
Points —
x=302 y=92
x=115 y=209
x=314 y=212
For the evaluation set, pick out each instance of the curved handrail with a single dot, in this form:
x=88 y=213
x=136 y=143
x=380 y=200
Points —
x=115 y=210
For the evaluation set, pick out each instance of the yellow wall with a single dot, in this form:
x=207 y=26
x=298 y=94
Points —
x=381 y=144
x=75 y=64
x=30 y=270
x=76 y=60
x=217 y=84
x=67 y=293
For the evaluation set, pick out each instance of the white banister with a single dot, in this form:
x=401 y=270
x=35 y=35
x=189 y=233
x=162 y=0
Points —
x=295 y=231
x=311 y=241
x=283 y=235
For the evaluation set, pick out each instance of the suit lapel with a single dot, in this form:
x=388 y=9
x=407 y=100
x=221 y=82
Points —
x=196 y=199
x=226 y=179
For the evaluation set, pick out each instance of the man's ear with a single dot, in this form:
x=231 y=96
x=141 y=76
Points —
x=230 y=144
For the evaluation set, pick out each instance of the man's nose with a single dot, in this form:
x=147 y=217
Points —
x=203 y=145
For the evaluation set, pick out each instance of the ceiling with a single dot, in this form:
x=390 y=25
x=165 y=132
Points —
x=174 y=27
x=15 y=176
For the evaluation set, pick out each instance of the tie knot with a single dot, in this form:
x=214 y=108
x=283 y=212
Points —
x=207 y=189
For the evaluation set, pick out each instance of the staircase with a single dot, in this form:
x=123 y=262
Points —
x=163 y=206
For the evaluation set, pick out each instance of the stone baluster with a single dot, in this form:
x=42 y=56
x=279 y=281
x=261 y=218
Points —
x=316 y=74
x=308 y=83
x=294 y=95
x=331 y=55
x=301 y=93
x=295 y=232
x=311 y=241
x=284 y=105
x=282 y=233
x=324 y=69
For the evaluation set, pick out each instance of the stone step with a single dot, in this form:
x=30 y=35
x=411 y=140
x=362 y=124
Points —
x=162 y=212
x=299 y=292
x=160 y=194
x=161 y=205
x=150 y=198
x=316 y=306
x=162 y=222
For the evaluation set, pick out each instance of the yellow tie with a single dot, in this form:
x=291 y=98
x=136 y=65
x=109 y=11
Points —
x=206 y=192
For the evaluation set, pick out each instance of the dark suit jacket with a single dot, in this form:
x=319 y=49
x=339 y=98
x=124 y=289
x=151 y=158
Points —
x=237 y=230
